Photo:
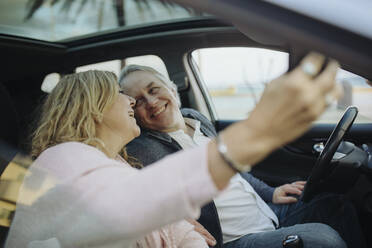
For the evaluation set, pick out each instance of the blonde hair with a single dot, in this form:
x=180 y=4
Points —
x=73 y=108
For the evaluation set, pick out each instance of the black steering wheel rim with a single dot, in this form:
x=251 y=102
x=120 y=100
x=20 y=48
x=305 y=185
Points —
x=322 y=169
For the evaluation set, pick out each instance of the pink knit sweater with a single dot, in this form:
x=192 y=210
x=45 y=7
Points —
x=75 y=196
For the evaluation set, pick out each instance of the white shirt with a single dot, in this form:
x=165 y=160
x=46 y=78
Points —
x=240 y=209
x=184 y=140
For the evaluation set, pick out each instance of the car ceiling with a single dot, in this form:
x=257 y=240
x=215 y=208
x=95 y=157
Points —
x=168 y=40
x=300 y=33
x=264 y=23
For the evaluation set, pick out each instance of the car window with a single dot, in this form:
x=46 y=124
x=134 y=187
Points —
x=112 y=65
x=60 y=20
x=116 y=65
x=357 y=93
x=235 y=77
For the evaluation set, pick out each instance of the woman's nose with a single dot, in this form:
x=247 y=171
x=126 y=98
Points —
x=132 y=101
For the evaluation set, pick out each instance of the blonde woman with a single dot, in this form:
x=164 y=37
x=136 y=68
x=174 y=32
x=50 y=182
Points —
x=96 y=199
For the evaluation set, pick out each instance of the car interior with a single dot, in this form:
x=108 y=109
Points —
x=342 y=165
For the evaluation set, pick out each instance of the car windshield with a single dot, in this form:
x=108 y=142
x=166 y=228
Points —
x=65 y=20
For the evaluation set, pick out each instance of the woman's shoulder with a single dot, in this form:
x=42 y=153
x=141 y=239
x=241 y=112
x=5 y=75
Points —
x=72 y=157
x=71 y=149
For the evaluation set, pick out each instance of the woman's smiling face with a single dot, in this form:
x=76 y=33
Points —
x=119 y=117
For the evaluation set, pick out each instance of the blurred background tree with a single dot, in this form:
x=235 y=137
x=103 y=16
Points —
x=118 y=5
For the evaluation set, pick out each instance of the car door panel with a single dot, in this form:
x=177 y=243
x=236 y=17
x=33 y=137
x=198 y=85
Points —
x=295 y=161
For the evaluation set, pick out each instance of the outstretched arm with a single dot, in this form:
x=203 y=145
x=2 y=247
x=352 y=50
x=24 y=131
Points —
x=287 y=108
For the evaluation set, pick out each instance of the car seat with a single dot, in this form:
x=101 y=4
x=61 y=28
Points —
x=9 y=128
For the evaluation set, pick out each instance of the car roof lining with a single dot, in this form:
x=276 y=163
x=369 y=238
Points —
x=297 y=31
x=62 y=58
x=162 y=44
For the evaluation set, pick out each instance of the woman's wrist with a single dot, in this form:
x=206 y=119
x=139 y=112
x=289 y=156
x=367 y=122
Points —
x=220 y=172
x=247 y=144
x=224 y=154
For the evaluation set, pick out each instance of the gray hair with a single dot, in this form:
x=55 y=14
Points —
x=133 y=68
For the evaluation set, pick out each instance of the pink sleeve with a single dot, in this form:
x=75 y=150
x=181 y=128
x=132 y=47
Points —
x=171 y=189
x=121 y=202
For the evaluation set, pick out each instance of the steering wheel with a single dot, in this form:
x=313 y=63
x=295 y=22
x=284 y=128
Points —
x=322 y=166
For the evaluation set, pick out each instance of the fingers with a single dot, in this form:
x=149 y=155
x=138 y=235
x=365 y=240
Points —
x=299 y=183
x=292 y=189
x=318 y=90
x=281 y=194
x=323 y=91
x=299 y=187
x=327 y=85
x=287 y=199
x=310 y=65
x=208 y=238
x=326 y=79
x=211 y=241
